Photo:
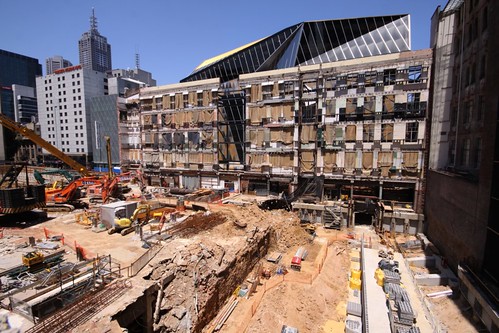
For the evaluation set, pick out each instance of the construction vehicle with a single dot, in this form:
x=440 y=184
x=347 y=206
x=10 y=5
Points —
x=300 y=255
x=39 y=141
x=67 y=198
x=140 y=217
x=33 y=258
x=67 y=174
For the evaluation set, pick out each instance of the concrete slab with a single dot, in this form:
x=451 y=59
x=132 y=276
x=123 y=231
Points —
x=377 y=312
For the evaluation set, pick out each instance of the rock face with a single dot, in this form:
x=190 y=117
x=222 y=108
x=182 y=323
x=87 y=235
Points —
x=198 y=269
x=196 y=277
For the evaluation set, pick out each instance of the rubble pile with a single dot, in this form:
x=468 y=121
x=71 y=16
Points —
x=196 y=275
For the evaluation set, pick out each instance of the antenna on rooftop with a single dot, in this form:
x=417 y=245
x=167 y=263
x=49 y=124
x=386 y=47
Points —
x=137 y=60
x=93 y=21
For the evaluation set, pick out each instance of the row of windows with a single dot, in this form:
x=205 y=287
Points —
x=52 y=129
x=65 y=121
x=63 y=100
x=52 y=136
x=63 y=78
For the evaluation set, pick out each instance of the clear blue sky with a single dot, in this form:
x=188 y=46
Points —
x=173 y=37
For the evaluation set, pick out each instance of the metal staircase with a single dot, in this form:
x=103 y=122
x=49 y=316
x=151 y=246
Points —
x=332 y=218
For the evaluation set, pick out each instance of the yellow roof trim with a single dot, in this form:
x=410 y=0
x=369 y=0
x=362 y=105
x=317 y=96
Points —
x=214 y=59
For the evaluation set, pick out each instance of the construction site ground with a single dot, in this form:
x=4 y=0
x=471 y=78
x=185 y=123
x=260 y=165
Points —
x=312 y=300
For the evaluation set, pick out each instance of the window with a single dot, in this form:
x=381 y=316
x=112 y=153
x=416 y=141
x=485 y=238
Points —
x=388 y=103
x=386 y=132
x=389 y=76
x=350 y=133
x=415 y=74
x=411 y=132
x=478 y=153
x=481 y=108
x=368 y=133
x=465 y=152
x=468 y=112
x=482 y=67
x=484 y=19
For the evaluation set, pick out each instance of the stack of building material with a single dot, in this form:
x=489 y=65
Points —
x=391 y=277
x=405 y=313
x=395 y=291
x=354 y=309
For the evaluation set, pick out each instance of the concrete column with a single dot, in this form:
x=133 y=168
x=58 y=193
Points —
x=380 y=191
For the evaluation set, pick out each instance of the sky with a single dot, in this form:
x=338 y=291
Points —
x=173 y=37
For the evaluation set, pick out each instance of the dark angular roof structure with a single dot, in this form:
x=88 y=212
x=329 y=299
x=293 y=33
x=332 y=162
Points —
x=309 y=43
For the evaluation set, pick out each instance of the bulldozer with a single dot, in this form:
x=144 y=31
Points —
x=32 y=258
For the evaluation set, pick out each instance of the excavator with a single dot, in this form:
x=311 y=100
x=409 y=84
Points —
x=67 y=198
x=140 y=217
x=67 y=174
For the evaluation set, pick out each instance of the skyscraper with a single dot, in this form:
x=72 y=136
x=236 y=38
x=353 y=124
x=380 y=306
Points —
x=95 y=52
x=56 y=62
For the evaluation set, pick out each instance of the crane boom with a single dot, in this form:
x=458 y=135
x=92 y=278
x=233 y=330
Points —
x=38 y=140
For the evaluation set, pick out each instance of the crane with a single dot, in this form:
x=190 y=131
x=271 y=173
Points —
x=38 y=140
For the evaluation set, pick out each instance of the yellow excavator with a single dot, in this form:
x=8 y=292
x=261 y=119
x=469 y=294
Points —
x=140 y=217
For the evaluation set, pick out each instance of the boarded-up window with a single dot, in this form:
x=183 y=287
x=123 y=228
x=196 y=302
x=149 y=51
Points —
x=166 y=119
x=168 y=159
x=307 y=161
x=386 y=132
x=410 y=160
x=350 y=161
x=194 y=157
x=275 y=112
x=368 y=133
x=330 y=107
x=281 y=160
x=367 y=160
x=256 y=114
x=388 y=103
x=256 y=137
x=192 y=99
x=308 y=133
x=256 y=92
x=287 y=110
x=350 y=133
x=329 y=134
x=329 y=161
x=287 y=136
x=256 y=160
x=179 y=101
x=275 y=90
x=369 y=105
x=351 y=105
x=206 y=140
x=206 y=97
x=385 y=162
x=208 y=158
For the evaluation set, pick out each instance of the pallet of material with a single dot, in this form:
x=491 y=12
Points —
x=274 y=257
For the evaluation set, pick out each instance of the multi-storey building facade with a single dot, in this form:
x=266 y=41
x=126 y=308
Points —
x=63 y=108
x=357 y=124
x=462 y=210
x=56 y=62
x=20 y=70
x=94 y=50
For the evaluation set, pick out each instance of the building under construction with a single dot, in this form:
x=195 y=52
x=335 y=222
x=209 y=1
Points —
x=338 y=112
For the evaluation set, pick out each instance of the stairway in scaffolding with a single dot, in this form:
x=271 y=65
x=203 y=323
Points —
x=332 y=217
x=11 y=175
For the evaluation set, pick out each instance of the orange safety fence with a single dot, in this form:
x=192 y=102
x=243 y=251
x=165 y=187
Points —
x=71 y=243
